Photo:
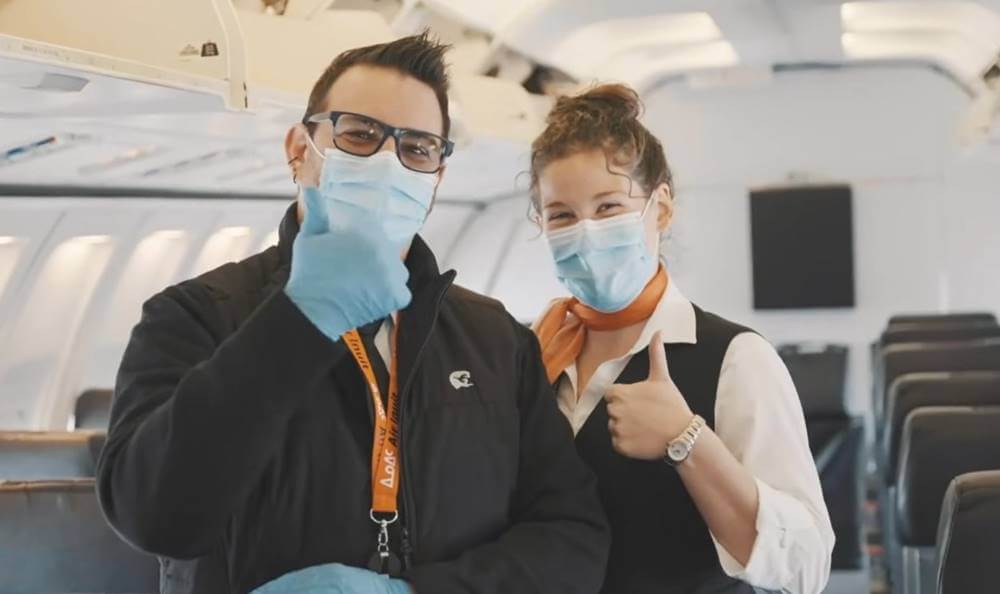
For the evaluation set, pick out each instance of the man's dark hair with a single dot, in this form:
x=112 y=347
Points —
x=419 y=56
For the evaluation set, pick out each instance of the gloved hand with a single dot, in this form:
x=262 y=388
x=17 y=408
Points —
x=345 y=277
x=334 y=578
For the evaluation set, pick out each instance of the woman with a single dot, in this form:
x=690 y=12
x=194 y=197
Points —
x=699 y=444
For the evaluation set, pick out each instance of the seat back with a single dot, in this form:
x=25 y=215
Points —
x=42 y=455
x=93 y=410
x=939 y=443
x=819 y=373
x=838 y=449
x=914 y=357
x=915 y=390
x=836 y=441
x=968 y=541
x=54 y=539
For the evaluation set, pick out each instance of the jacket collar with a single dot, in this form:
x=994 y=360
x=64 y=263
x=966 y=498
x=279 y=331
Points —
x=287 y=231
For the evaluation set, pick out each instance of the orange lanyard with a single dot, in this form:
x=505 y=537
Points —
x=386 y=464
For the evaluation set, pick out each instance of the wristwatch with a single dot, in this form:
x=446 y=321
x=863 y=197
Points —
x=679 y=449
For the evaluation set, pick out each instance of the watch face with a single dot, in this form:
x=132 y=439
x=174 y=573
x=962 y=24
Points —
x=677 y=451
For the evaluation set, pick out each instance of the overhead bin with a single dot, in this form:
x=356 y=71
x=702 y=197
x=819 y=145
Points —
x=496 y=108
x=188 y=44
x=286 y=54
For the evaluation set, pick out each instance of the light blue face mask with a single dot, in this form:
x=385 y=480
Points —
x=604 y=263
x=375 y=189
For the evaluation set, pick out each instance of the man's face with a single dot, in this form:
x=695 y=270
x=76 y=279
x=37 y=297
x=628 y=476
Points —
x=384 y=94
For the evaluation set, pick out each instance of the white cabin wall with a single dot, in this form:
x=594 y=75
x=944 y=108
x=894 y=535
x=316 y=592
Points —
x=77 y=286
x=924 y=218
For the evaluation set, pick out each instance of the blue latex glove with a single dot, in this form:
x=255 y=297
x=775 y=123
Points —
x=334 y=578
x=344 y=277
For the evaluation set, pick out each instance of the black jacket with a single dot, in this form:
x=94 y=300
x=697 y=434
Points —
x=240 y=435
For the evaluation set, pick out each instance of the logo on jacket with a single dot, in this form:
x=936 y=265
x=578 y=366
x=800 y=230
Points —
x=461 y=379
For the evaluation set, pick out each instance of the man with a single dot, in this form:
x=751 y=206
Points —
x=252 y=429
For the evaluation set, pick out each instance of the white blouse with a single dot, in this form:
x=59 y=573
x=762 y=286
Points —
x=758 y=416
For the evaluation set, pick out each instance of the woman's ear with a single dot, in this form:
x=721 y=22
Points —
x=665 y=207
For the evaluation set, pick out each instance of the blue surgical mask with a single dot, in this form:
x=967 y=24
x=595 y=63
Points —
x=375 y=190
x=604 y=263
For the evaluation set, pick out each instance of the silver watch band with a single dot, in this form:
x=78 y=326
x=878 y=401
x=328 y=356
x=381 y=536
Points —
x=687 y=438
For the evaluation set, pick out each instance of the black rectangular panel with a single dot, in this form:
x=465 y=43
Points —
x=803 y=247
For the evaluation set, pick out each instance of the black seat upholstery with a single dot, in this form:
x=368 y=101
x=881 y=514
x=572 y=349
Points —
x=819 y=373
x=30 y=456
x=913 y=357
x=968 y=538
x=54 y=539
x=836 y=440
x=940 y=443
x=914 y=390
x=975 y=316
x=838 y=449
x=93 y=410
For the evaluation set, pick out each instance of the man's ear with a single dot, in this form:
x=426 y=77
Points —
x=665 y=207
x=296 y=145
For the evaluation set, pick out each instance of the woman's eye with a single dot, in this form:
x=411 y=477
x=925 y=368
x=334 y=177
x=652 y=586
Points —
x=608 y=207
x=559 y=216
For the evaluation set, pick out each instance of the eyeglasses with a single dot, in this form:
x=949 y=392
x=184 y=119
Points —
x=363 y=136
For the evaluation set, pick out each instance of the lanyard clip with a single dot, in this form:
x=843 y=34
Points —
x=384 y=561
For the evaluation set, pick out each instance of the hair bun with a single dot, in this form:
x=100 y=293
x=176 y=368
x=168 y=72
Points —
x=614 y=102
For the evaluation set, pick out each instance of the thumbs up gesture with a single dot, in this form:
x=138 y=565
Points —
x=646 y=416
x=343 y=277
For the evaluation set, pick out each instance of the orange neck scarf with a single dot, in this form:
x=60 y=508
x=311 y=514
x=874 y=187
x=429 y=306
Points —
x=562 y=330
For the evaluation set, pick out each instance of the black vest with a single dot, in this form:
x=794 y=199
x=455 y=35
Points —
x=660 y=543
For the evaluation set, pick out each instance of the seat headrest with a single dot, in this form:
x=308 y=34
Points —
x=93 y=409
x=44 y=455
x=819 y=373
x=911 y=391
x=931 y=318
x=938 y=444
x=939 y=333
x=55 y=539
x=968 y=540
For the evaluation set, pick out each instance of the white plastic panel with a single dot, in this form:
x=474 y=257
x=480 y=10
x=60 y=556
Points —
x=40 y=340
x=85 y=266
x=649 y=36
x=190 y=44
x=10 y=252
x=526 y=280
x=495 y=109
x=961 y=36
x=167 y=241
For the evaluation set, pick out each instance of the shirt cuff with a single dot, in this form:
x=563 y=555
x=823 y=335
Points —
x=773 y=559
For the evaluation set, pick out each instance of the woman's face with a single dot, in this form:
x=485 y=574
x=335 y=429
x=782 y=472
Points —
x=580 y=186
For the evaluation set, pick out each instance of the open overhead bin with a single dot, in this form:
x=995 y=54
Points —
x=194 y=45
x=496 y=108
x=286 y=54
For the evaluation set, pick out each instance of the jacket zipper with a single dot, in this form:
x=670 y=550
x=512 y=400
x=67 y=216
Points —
x=409 y=502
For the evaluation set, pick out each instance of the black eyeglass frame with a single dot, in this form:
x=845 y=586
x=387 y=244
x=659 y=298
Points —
x=448 y=147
